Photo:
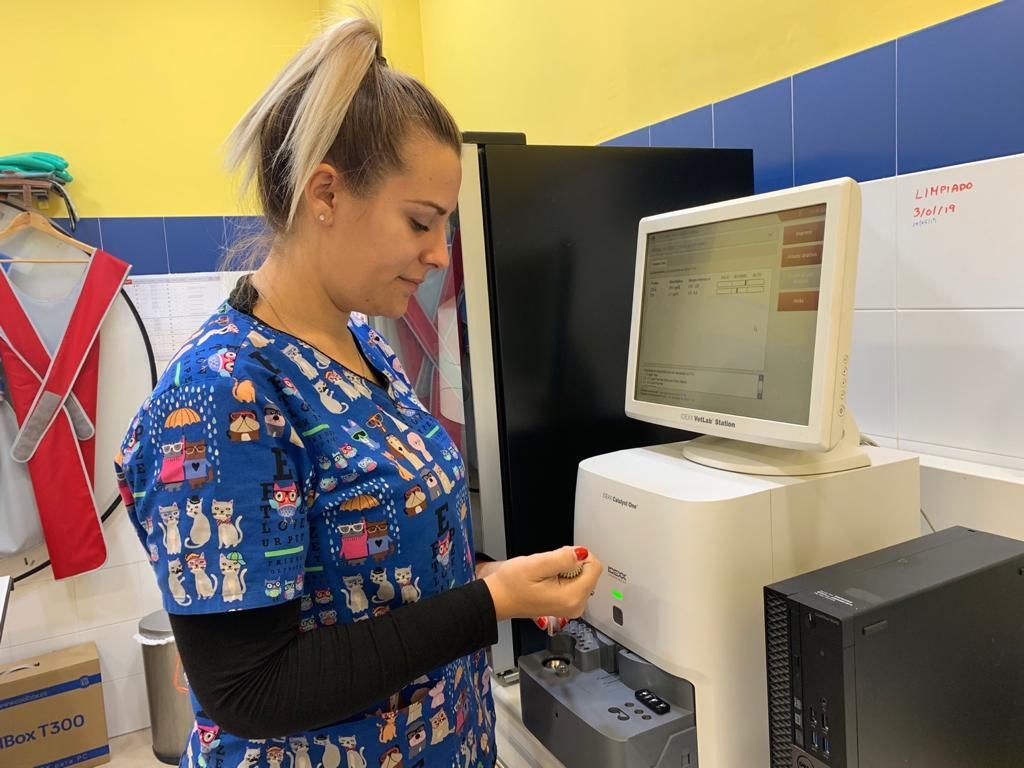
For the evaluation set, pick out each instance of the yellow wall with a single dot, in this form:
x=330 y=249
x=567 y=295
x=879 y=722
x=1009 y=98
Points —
x=400 y=25
x=582 y=71
x=139 y=96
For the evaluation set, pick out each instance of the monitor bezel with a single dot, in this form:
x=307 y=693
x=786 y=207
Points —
x=827 y=407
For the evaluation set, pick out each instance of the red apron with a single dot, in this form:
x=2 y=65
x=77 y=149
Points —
x=54 y=401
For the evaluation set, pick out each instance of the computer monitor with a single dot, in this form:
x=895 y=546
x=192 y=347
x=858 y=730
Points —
x=741 y=328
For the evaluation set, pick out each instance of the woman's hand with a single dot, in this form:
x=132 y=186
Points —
x=531 y=586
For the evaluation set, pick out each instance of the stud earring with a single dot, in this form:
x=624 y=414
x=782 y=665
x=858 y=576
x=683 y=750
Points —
x=322 y=217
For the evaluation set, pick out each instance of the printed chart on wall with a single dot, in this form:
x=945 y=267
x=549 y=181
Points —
x=174 y=306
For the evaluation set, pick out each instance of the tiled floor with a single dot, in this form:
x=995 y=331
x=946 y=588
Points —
x=133 y=750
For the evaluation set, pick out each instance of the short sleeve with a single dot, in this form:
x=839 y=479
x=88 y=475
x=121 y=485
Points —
x=215 y=476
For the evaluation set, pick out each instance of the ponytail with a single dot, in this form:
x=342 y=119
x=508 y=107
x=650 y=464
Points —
x=336 y=101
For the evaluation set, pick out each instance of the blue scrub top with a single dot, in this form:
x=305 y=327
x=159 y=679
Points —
x=261 y=471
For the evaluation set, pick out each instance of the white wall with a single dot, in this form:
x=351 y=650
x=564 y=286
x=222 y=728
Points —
x=937 y=366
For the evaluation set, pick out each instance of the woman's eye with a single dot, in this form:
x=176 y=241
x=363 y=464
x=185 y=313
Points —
x=418 y=227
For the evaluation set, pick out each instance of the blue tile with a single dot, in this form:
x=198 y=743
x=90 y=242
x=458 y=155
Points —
x=243 y=234
x=139 y=241
x=761 y=120
x=844 y=117
x=88 y=230
x=961 y=95
x=690 y=129
x=638 y=138
x=194 y=243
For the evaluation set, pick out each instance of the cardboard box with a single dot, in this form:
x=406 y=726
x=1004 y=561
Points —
x=51 y=711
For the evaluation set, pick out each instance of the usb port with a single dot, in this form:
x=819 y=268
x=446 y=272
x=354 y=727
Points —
x=815 y=740
x=826 y=744
x=824 y=720
x=814 y=717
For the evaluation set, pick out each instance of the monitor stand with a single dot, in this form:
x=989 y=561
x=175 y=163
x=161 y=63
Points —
x=753 y=459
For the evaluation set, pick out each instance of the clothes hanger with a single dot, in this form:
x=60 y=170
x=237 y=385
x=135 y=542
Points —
x=38 y=222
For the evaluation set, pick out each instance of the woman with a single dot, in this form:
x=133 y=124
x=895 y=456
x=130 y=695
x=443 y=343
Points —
x=306 y=518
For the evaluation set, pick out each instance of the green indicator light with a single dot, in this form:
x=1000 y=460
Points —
x=616 y=594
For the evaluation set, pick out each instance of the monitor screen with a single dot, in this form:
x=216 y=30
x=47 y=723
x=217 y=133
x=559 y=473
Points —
x=729 y=314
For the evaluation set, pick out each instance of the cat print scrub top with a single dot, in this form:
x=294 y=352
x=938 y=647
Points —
x=260 y=471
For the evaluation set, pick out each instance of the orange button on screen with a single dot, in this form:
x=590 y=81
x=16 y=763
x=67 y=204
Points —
x=802 y=255
x=803 y=233
x=798 y=301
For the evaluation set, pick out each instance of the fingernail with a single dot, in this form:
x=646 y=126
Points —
x=562 y=622
x=541 y=622
x=582 y=553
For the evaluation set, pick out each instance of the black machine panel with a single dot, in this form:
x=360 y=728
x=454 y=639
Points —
x=561 y=227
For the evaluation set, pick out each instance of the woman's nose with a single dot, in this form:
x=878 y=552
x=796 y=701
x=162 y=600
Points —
x=437 y=255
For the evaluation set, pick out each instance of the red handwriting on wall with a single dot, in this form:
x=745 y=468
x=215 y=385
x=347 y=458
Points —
x=921 y=212
x=942 y=189
x=929 y=213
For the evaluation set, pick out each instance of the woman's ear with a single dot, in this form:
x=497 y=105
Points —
x=321 y=193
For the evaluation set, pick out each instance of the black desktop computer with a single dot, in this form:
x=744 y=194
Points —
x=908 y=657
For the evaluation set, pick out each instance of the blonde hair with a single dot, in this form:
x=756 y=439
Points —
x=338 y=102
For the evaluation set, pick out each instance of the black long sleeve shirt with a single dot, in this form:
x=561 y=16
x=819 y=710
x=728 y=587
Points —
x=257 y=676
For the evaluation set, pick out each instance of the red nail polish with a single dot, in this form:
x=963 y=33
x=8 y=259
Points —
x=582 y=553
x=541 y=622
x=562 y=622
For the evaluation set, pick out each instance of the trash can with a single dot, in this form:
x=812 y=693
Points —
x=170 y=706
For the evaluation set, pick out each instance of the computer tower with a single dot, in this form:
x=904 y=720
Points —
x=909 y=656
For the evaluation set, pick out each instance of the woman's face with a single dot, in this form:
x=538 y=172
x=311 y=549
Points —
x=376 y=251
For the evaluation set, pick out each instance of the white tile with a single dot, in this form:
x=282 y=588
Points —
x=986 y=504
x=123 y=544
x=872 y=389
x=40 y=647
x=876 y=261
x=120 y=654
x=30 y=561
x=960 y=375
x=108 y=596
x=964 y=466
x=992 y=460
x=126 y=706
x=152 y=598
x=882 y=440
x=967 y=258
x=133 y=750
x=39 y=610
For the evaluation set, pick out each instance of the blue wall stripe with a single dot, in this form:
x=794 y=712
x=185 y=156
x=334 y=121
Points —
x=844 y=118
x=156 y=245
x=961 y=89
x=139 y=241
x=88 y=230
x=690 y=129
x=194 y=243
x=951 y=93
x=761 y=120
x=641 y=137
